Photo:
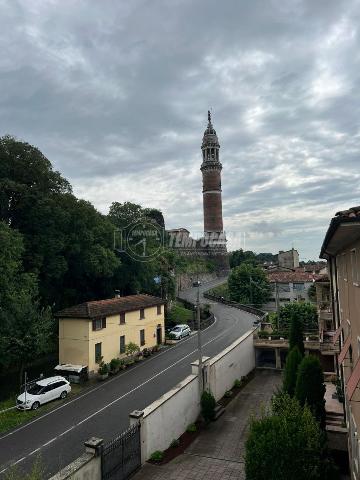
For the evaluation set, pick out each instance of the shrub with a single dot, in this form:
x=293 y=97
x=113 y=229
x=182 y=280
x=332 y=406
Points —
x=296 y=334
x=208 y=404
x=131 y=348
x=175 y=443
x=310 y=388
x=293 y=361
x=157 y=456
x=115 y=364
x=228 y=394
x=306 y=312
x=103 y=368
x=287 y=444
x=192 y=428
x=237 y=383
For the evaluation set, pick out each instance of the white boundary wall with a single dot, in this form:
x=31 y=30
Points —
x=167 y=418
x=234 y=362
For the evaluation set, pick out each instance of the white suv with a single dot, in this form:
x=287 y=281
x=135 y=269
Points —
x=180 y=331
x=43 y=391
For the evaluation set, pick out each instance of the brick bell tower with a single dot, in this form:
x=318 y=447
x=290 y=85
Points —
x=211 y=167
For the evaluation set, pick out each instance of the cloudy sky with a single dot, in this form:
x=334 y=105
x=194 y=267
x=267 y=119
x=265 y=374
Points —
x=115 y=94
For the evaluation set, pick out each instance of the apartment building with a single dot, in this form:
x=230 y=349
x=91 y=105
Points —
x=341 y=248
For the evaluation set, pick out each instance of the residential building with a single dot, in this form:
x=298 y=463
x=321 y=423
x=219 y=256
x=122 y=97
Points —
x=103 y=328
x=288 y=259
x=341 y=248
x=289 y=286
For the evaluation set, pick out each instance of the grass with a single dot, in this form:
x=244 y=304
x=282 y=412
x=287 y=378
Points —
x=221 y=291
x=14 y=418
x=179 y=314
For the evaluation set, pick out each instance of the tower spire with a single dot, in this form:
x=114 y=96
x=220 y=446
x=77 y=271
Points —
x=209 y=116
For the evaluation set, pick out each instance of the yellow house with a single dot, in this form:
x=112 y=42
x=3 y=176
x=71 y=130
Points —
x=103 y=328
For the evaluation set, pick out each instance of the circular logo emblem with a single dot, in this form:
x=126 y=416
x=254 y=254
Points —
x=144 y=240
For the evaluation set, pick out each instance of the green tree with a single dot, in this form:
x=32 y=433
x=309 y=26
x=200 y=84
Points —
x=25 y=328
x=248 y=284
x=310 y=387
x=306 y=312
x=68 y=244
x=293 y=361
x=208 y=405
x=287 y=444
x=237 y=257
x=296 y=334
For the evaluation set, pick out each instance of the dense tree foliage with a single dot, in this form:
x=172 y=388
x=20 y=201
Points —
x=58 y=251
x=304 y=311
x=248 y=284
x=310 y=387
x=26 y=329
x=287 y=444
x=237 y=257
x=296 y=336
x=293 y=361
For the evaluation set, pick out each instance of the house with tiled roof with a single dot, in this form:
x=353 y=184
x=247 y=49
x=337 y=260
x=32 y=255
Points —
x=101 y=329
x=289 y=286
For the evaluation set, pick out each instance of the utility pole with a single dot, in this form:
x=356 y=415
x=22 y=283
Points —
x=277 y=304
x=251 y=294
x=201 y=381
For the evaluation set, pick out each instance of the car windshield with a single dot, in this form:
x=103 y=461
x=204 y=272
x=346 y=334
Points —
x=35 y=389
x=176 y=329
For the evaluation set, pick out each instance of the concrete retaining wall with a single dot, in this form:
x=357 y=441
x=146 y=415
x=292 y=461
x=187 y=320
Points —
x=167 y=418
x=231 y=364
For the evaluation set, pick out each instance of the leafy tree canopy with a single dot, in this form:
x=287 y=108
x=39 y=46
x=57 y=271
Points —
x=25 y=328
x=248 y=284
x=287 y=444
x=293 y=361
x=306 y=312
x=310 y=387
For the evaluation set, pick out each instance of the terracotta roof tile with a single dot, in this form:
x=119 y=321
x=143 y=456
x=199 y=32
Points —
x=112 y=306
x=290 y=277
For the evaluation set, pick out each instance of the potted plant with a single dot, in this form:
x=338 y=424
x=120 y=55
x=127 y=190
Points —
x=103 y=371
x=115 y=366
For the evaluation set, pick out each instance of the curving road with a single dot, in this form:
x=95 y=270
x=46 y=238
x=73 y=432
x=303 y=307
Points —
x=59 y=435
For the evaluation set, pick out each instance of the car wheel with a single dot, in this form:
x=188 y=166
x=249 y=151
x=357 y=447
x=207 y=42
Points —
x=63 y=395
x=35 y=406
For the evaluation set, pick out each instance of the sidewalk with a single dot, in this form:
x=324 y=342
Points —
x=217 y=453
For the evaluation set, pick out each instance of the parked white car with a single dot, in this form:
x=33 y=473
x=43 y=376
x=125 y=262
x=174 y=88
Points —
x=43 y=391
x=180 y=331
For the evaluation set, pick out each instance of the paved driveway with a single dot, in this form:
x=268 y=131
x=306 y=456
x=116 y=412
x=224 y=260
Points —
x=218 y=453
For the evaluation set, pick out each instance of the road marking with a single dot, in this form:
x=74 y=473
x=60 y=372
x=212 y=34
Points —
x=92 y=390
x=115 y=401
x=50 y=441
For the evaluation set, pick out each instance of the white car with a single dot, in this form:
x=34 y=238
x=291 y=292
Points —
x=180 y=331
x=43 y=391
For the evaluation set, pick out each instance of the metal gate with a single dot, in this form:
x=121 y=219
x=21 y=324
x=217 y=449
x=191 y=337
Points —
x=122 y=456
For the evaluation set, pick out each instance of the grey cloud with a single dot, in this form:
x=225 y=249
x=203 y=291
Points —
x=116 y=94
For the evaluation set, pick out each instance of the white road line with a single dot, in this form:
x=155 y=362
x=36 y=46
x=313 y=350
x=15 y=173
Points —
x=115 y=401
x=79 y=397
x=47 y=443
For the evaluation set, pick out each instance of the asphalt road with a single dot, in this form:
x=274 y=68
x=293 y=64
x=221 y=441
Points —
x=59 y=435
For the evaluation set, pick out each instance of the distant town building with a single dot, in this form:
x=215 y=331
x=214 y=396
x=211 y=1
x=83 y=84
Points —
x=288 y=259
x=341 y=248
x=289 y=286
x=101 y=329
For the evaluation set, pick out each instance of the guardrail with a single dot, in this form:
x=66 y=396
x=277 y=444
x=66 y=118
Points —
x=240 y=306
